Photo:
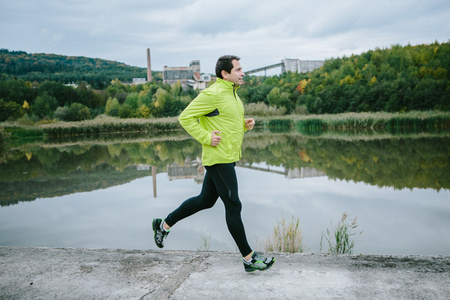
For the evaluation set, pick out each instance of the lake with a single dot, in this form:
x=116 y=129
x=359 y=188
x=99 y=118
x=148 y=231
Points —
x=103 y=193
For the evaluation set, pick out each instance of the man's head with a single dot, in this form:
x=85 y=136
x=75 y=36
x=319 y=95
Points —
x=228 y=68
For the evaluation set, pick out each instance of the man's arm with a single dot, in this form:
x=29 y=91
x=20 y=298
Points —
x=200 y=106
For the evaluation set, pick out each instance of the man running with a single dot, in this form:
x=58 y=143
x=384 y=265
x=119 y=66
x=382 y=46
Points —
x=215 y=118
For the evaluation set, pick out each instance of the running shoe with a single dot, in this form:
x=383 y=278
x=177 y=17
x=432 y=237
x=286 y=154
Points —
x=259 y=262
x=160 y=234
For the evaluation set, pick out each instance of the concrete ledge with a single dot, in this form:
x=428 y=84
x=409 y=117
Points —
x=69 y=273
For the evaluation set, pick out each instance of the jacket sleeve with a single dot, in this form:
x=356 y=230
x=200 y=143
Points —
x=243 y=123
x=200 y=106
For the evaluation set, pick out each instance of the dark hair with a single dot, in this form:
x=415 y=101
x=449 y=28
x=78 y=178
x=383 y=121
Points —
x=225 y=63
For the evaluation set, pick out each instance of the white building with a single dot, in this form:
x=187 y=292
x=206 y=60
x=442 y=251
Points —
x=187 y=76
x=300 y=66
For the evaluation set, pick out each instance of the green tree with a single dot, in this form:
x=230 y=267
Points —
x=17 y=91
x=126 y=112
x=144 y=111
x=112 y=107
x=44 y=106
x=79 y=112
x=274 y=96
x=62 y=113
x=89 y=98
x=132 y=101
x=9 y=110
x=160 y=98
x=318 y=103
x=176 y=89
x=61 y=93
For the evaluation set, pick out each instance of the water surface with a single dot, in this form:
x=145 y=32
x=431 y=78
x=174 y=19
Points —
x=104 y=194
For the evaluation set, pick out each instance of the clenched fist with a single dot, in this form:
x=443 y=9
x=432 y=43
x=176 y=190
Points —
x=215 y=139
x=249 y=123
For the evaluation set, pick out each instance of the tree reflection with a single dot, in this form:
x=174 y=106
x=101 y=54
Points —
x=416 y=161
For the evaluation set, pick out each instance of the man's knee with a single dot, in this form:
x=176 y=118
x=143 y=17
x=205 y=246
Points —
x=235 y=206
x=207 y=205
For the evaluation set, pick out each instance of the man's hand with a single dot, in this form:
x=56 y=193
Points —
x=215 y=139
x=249 y=123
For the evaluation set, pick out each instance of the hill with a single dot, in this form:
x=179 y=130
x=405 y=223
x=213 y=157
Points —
x=399 y=78
x=66 y=69
x=396 y=79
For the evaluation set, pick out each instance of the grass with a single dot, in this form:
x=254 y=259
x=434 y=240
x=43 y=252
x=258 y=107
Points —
x=286 y=237
x=373 y=120
x=107 y=124
x=307 y=124
x=410 y=120
x=206 y=240
x=262 y=109
x=340 y=239
x=100 y=125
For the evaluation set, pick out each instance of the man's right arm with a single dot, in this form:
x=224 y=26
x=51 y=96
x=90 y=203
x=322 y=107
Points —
x=200 y=106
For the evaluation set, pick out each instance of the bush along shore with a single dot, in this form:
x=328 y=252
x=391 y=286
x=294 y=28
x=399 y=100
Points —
x=415 y=120
x=427 y=120
x=101 y=125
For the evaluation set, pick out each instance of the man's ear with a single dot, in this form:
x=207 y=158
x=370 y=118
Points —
x=224 y=74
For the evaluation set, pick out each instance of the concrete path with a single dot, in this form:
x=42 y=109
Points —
x=67 y=273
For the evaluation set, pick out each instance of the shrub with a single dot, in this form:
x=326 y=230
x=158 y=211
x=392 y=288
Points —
x=286 y=237
x=340 y=241
x=76 y=112
x=262 y=109
x=62 y=113
x=79 y=112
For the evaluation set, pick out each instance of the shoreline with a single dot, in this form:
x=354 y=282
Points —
x=344 y=121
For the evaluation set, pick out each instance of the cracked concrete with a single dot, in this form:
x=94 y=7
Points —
x=69 y=273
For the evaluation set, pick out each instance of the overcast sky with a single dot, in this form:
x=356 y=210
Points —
x=261 y=32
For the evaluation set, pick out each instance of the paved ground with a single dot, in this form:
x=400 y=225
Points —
x=67 y=273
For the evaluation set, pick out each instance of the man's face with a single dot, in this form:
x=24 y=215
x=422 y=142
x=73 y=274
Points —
x=236 y=75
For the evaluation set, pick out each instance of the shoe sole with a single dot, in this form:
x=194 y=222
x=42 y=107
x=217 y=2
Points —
x=253 y=270
x=155 y=225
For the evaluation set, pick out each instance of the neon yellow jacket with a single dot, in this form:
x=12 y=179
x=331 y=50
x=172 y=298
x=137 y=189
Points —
x=216 y=108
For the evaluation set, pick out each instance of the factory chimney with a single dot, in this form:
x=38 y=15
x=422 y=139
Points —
x=149 y=66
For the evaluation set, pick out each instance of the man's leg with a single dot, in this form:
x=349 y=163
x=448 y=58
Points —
x=224 y=176
x=225 y=180
x=206 y=199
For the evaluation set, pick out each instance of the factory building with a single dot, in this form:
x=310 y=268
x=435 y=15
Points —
x=189 y=77
x=300 y=66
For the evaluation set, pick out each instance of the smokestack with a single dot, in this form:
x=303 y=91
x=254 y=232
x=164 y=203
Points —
x=149 y=66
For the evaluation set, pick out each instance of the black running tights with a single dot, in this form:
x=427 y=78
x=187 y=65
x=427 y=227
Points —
x=220 y=181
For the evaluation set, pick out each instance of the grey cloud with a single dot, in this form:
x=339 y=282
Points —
x=179 y=31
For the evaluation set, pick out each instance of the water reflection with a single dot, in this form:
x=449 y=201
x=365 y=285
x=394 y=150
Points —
x=51 y=170
x=90 y=194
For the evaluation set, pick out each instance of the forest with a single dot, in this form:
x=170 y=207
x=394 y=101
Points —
x=33 y=87
x=396 y=79
x=39 y=67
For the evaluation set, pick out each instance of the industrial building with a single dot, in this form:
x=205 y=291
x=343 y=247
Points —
x=189 y=77
x=293 y=65
x=300 y=66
